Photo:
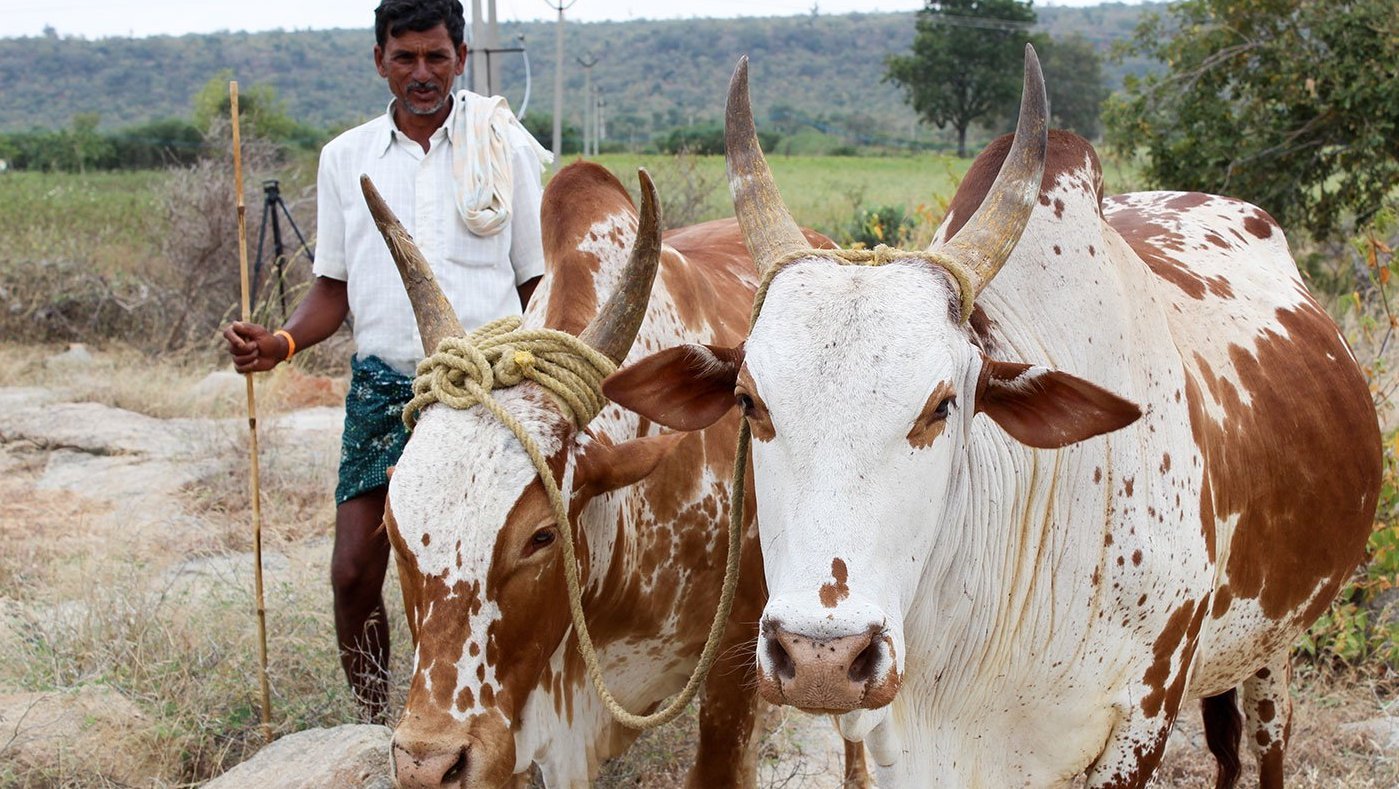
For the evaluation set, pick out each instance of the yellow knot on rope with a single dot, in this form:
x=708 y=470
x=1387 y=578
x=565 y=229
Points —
x=499 y=355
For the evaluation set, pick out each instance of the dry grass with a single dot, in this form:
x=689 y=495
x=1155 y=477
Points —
x=159 y=605
x=1320 y=754
x=166 y=387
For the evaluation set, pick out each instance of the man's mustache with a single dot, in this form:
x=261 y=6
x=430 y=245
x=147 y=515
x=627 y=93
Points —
x=415 y=85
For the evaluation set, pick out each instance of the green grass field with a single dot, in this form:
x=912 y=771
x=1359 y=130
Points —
x=823 y=192
x=110 y=219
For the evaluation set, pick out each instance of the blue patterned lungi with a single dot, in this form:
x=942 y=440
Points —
x=374 y=434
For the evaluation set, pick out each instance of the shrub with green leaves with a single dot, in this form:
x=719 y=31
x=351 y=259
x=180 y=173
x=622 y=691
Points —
x=889 y=224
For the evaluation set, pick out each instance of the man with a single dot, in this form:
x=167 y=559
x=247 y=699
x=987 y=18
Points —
x=435 y=158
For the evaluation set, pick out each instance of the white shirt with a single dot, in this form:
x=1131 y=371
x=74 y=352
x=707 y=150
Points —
x=479 y=275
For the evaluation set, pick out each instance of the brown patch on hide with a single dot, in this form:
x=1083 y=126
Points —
x=579 y=196
x=928 y=425
x=1309 y=421
x=1068 y=154
x=833 y=593
x=1178 y=635
x=1260 y=224
x=1153 y=232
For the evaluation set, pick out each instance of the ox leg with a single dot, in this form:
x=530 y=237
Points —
x=857 y=776
x=1133 y=750
x=727 y=754
x=1268 y=713
x=1222 y=729
x=727 y=751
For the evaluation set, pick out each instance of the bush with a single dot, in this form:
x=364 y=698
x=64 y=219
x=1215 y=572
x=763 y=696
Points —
x=870 y=227
x=687 y=191
x=707 y=140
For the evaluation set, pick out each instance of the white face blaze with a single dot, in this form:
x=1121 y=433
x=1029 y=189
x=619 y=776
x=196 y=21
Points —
x=449 y=506
x=845 y=361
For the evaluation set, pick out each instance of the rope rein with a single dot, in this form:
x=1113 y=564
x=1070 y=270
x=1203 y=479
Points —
x=464 y=371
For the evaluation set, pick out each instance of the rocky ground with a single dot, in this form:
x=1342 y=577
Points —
x=127 y=651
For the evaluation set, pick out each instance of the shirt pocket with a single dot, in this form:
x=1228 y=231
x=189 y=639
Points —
x=468 y=250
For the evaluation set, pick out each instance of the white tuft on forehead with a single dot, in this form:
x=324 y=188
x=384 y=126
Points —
x=822 y=320
x=459 y=477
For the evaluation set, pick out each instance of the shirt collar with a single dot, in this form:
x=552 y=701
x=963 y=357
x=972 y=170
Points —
x=440 y=134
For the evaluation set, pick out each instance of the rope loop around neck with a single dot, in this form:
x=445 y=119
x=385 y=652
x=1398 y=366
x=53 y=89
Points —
x=878 y=256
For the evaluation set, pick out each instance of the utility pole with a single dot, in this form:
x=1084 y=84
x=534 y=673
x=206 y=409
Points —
x=477 y=54
x=601 y=123
x=493 y=84
x=587 y=63
x=559 y=5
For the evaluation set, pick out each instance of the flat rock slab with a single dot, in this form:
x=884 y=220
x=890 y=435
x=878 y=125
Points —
x=1383 y=732
x=345 y=757
x=92 y=726
x=96 y=429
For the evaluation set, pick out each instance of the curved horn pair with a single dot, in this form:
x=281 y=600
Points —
x=612 y=332
x=982 y=245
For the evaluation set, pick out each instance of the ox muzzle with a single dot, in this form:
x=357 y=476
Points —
x=447 y=754
x=828 y=662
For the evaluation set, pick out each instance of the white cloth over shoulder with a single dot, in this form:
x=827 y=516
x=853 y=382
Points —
x=481 y=133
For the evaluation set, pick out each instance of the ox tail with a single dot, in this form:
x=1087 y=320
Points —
x=1223 y=726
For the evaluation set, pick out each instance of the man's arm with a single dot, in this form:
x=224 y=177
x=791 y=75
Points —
x=526 y=291
x=526 y=248
x=318 y=316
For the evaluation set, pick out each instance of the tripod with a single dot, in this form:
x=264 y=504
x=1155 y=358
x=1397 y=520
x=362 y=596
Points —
x=272 y=200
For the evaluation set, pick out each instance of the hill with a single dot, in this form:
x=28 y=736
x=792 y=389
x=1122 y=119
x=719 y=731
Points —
x=654 y=75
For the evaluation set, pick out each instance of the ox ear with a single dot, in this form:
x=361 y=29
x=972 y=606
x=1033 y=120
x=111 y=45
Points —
x=607 y=467
x=1046 y=408
x=688 y=387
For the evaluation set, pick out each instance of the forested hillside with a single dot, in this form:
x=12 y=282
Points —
x=654 y=75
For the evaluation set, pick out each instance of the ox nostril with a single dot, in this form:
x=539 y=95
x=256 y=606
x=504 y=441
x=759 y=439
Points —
x=458 y=768
x=782 y=665
x=862 y=667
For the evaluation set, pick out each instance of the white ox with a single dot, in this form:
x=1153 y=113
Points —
x=994 y=572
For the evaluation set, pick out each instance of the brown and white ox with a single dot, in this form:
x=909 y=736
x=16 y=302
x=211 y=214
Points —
x=993 y=571
x=498 y=683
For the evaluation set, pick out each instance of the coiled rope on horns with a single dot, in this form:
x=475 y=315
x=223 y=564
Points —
x=465 y=370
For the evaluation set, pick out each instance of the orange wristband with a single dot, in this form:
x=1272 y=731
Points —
x=291 y=343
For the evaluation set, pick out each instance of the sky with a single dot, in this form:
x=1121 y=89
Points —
x=104 y=18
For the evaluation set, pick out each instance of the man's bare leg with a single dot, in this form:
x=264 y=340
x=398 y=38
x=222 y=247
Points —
x=357 y=570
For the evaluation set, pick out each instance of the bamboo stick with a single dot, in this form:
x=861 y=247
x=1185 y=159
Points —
x=252 y=423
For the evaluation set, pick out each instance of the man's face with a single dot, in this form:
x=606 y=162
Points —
x=420 y=67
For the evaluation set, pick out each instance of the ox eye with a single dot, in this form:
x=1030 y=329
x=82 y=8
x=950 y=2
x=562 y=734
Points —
x=745 y=403
x=944 y=407
x=540 y=539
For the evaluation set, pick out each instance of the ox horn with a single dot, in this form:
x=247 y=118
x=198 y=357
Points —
x=614 y=329
x=768 y=228
x=436 y=318
x=986 y=240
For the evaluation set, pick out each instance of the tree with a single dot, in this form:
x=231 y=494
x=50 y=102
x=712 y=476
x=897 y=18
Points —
x=541 y=126
x=1290 y=104
x=966 y=62
x=260 y=112
x=89 y=147
x=1073 y=77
